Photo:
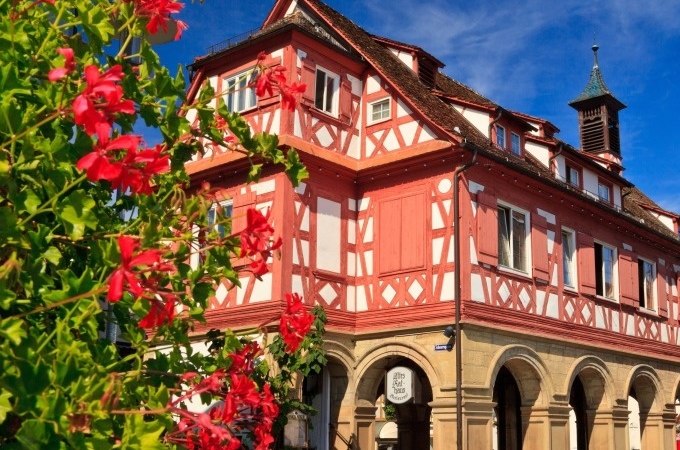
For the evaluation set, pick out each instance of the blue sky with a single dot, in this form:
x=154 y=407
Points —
x=531 y=55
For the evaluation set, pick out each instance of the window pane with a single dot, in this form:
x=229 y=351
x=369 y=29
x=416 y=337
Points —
x=567 y=258
x=599 y=282
x=230 y=95
x=320 y=88
x=608 y=271
x=241 y=94
x=515 y=144
x=330 y=87
x=603 y=192
x=503 y=237
x=518 y=241
x=649 y=276
x=500 y=136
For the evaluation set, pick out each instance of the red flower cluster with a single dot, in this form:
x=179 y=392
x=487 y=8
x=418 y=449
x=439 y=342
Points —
x=295 y=322
x=257 y=239
x=242 y=407
x=130 y=276
x=269 y=79
x=69 y=65
x=102 y=98
x=132 y=170
x=158 y=13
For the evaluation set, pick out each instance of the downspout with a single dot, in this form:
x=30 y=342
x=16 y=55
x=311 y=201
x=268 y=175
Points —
x=457 y=294
x=492 y=123
x=560 y=148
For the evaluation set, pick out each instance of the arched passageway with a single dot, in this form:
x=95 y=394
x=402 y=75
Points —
x=645 y=426
x=507 y=412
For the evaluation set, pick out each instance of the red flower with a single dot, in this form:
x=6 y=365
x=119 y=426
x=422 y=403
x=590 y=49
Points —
x=160 y=313
x=243 y=361
x=158 y=13
x=295 y=322
x=102 y=98
x=139 y=167
x=288 y=95
x=126 y=274
x=257 y=240
x=69 y=65
x=100 y=164
x=270 y=78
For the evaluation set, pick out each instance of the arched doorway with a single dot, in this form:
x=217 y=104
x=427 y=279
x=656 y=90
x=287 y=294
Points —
x=578 y=417
x=412 y=418
x=326 y=393
x=507 y=412
x=645 y=429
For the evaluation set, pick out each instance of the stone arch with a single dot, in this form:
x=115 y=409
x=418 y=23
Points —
x=646 y=383
x=374 y=362
x=342 y=354
x=596 y=379
x=528 y=369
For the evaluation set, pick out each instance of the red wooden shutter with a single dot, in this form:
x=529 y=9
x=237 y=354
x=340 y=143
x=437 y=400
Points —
x=487 y=228
x=239 y=216
x=628 y=278
x=389 y=229
x=586 y=263
x=539 y=247
x=413 y=232
x=308 y=78
x=661 y=290
x=345 y=99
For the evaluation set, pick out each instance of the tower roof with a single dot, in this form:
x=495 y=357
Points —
x=596 y=86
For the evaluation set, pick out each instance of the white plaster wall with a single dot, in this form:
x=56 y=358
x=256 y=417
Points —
x=539 y=152
x=479 y=119
x=213 y=84
x=617 y=196
x=590 y=183
x=561 y=167
x=404 y=57
x=328 y=235
x=665 y=220
x=373 y=84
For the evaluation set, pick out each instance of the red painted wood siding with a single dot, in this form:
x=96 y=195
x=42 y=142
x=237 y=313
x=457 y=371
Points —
x=487 y=228
x=586 y=263
x=628 y=278
x=539 y=247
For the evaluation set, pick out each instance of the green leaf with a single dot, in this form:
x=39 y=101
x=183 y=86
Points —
x=96 y=23
x=295 y=170
x=75 y=211
x=29 y=201
x=11 y=328
x=53 y=255
x=5 y=405
x=142 y=434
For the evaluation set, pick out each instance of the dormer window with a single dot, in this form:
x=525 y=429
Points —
x=604 y=192
x=573 y=176
x=500 y=136
x=326 y=92
x=515 y=145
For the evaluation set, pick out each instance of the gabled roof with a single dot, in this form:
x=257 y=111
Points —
x=406 y=47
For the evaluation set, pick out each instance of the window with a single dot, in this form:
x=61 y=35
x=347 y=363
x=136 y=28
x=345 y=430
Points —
x=379 y=110
x=605 y=257
x=326 y=93
x=216 y=215
x=569 y=258
x=513 y=232
x=237 y=95
x=500 y=136
x=604 y=192
x=646 y=278
x=515 y=144
x=573 y=176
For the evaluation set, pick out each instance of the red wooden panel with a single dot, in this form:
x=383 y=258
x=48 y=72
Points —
x=661 y=289
x=413 y=232
x=345 y=99
x=628 y=278
x=539 y=246
x=389 y=228
x=308 y=78
x=586 y=263
x=487 y=228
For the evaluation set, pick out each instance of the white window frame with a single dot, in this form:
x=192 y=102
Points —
x=226 y=205
x=571 y=264
x=615 y=275
x=510 y=263
x=608 y=189
x=650 y=304
x=372 y=104
x=335 y=99
x=500 y=136
x=569 y=170
x=246 y=93
x=515 y=150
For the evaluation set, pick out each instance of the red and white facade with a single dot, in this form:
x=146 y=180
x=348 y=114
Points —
x=370 y=237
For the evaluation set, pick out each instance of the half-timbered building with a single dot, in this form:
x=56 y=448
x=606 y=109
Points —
x=422 y=194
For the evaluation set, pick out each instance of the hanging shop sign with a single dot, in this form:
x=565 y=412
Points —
x=399 y=385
